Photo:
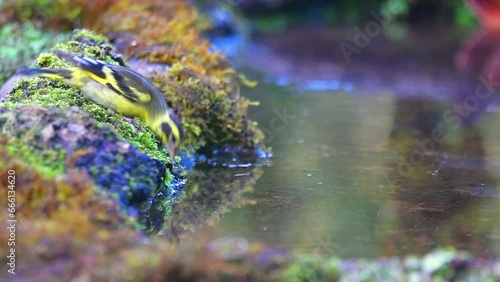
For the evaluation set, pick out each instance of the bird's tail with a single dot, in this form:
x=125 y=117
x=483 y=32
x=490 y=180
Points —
x=58 y=74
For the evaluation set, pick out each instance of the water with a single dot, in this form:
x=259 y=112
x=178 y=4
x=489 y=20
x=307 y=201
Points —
x=335 y=185
x=370 y=173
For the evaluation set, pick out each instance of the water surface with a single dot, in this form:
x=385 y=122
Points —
x=370 y=158
x=342 y=180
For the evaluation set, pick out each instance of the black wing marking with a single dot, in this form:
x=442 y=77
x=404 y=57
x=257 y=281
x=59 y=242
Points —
x=123 y=81
x=93 y=66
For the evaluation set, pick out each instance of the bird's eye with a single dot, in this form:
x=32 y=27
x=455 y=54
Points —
x=178 y=125
x=167 y=129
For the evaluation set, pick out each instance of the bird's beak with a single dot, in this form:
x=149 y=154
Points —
x=172 y=149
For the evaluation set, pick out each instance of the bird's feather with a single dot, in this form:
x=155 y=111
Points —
x=121 y=80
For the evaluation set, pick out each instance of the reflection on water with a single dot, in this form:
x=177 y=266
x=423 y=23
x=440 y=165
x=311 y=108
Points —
x=360 y=176
x=210 y=192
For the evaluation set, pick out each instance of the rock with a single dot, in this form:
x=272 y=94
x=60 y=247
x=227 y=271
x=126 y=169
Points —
x=58 y=139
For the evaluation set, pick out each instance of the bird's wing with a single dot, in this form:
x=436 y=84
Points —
x=121 y=80
x=128 y=83
x=137 y=85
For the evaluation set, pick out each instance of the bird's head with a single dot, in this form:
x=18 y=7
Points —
x=170 y=131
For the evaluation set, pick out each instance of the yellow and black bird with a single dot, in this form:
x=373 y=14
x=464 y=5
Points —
x=120 y=89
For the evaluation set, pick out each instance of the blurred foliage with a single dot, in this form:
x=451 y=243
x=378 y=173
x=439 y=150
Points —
x=463 y=15
x=20 y=44
x=60 y=14
x=297 y=13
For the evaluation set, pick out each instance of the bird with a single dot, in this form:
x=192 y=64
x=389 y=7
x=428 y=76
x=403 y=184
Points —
x=121 y=89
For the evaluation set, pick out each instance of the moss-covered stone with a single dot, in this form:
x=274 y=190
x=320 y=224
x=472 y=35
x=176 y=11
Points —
x=122 y=155
x=56 y=140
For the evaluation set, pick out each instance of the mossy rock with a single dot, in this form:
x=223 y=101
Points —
x=54 y=140
x=54 y=127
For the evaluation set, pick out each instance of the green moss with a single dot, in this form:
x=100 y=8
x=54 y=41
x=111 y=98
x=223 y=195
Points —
x=86 y=35
x=214 y=115
x=49 y=162
x=307 y=267
x=21 y=144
